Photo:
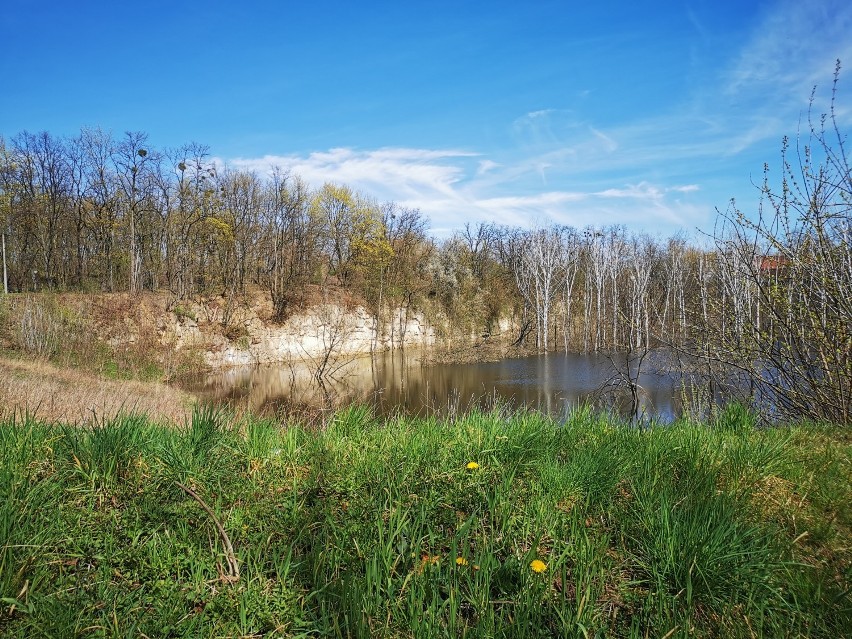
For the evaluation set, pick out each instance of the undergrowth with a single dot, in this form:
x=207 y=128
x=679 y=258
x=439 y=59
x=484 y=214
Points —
x=77 y=332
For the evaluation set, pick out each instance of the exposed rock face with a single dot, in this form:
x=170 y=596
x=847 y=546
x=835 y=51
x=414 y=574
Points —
x=325 y=330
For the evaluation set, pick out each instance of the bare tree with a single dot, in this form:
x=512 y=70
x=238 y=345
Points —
x=786 y=278
x=132 y=160
x=293 y=234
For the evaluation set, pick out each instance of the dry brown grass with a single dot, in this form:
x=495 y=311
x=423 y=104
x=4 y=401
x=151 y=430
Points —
x=75 y=396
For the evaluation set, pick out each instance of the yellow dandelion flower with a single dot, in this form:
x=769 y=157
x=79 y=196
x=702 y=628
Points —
x=472 y=466
x=461 y=561
x=537 y=565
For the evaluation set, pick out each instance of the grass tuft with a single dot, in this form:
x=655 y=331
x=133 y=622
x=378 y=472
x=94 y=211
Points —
x=490 y=525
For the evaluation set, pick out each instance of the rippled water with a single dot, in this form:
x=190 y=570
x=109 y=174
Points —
x=554 y=383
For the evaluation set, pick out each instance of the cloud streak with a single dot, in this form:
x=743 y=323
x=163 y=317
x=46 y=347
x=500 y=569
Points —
x=792 y=47
x=665 y=170
x=400 y=172
x=451 y=185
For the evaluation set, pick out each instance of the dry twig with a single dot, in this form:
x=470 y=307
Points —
x=233 y=566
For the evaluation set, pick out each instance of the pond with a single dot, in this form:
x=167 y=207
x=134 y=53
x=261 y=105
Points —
x=398 y=381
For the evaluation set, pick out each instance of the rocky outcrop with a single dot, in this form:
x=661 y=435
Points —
x=328 y=331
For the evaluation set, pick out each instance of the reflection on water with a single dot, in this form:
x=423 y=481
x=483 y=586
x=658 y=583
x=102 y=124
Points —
x=397 y=381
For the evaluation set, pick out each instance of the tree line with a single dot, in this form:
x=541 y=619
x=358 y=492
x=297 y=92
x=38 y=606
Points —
x=764 y=303
x=98 y=213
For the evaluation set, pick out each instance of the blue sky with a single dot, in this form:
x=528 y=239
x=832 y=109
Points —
x=644 y=114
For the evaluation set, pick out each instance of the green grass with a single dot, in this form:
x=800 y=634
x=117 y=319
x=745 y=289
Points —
x=370 y=528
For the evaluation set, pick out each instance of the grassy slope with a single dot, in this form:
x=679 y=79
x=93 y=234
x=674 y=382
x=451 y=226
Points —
x=367 y=529
x=75 y=395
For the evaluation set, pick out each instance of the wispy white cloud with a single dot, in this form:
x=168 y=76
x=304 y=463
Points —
x=450 y=185
x=646 y=172
x=485 y=166
x=687 y=188
x=525 y=205
x=609 y=144
x=641 y=191
x=545 y=127
x=792 y=47
x=387 y=173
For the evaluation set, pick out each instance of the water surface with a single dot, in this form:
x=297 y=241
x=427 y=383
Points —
x=398 y=381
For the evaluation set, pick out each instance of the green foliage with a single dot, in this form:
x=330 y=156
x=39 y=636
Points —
x=369 y=528
x=104 y=454
x=184 y=313
x=736 y=416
